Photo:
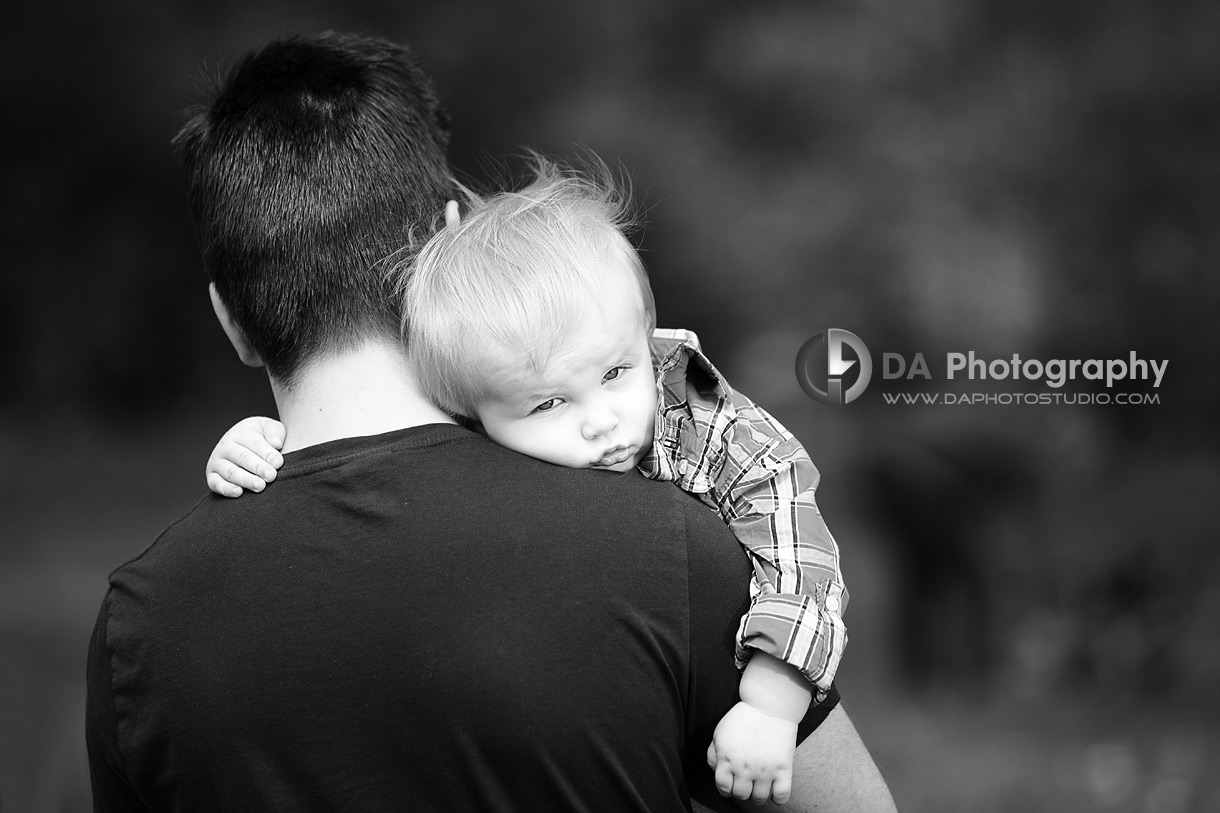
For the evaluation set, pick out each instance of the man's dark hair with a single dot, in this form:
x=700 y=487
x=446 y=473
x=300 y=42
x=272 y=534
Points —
x=316 y=158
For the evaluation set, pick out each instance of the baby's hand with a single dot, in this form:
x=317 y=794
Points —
x=752 y=753
x=246 y=457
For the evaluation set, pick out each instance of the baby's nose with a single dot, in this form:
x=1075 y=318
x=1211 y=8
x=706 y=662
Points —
x=599 y=423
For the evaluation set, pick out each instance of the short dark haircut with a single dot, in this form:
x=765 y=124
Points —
x=316 y=159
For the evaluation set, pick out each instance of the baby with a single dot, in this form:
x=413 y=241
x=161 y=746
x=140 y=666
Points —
x=533 y=318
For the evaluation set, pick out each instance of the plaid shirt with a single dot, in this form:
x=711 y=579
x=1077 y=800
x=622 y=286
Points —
x=717 y=444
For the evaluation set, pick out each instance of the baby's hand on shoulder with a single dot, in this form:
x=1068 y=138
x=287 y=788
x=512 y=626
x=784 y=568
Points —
x=751 y=754
x=246 y=457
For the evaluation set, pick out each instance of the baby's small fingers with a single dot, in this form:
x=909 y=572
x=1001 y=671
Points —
x=270 y=467
x=274 y=432
x=743 y=788
x=761 y=792
x=724 y=779
x=235 y=474
x=218 y=485
x=781 y=789
x=264 y=455
x=252 y=460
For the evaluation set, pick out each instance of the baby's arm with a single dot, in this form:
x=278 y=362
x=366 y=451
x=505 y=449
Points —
x=739 y=460
x=797 y=612
x=792 y=638
x=246 y=457
x=754 y=744
x=721 y=446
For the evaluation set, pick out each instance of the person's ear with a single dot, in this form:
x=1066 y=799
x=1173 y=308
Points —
x=248 y=355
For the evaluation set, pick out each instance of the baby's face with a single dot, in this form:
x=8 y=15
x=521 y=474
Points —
x=593 y=405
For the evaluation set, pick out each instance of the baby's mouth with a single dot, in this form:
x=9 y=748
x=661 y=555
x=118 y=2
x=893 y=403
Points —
x=615 y=456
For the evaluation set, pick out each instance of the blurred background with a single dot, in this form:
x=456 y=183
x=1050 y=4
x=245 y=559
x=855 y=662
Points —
x=1035 y=611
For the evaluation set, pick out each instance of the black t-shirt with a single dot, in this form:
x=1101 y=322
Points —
x=420 y=621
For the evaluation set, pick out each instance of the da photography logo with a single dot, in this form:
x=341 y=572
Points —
x=828 y=357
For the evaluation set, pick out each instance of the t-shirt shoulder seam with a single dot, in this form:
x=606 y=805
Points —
x=159 y=537
x=114 y=691
x=311 y=467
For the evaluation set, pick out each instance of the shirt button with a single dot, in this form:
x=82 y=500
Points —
x=832 y=604
x=682 y=467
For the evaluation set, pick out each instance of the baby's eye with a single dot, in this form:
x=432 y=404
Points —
x=613 y=373
x=547 y=405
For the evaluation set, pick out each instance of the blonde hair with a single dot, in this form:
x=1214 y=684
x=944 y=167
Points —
x=516 y=275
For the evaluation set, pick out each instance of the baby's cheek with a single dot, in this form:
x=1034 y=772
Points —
x=509 y=436
x=642 y=453
x=650 y=432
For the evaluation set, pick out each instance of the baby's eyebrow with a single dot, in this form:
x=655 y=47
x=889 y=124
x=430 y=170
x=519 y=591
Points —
x=532 y=397
x=528 y=400
x=625 y=350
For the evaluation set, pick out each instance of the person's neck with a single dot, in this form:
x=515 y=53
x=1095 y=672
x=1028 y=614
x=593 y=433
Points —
x=369 y=390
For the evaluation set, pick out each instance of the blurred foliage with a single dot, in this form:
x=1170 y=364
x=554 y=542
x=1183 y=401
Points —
x=1034 y=177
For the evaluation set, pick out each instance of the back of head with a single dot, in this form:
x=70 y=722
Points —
x=516 y=276
x=316 y=158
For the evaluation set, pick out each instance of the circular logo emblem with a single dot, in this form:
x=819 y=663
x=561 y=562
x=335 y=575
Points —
x=826 y=358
